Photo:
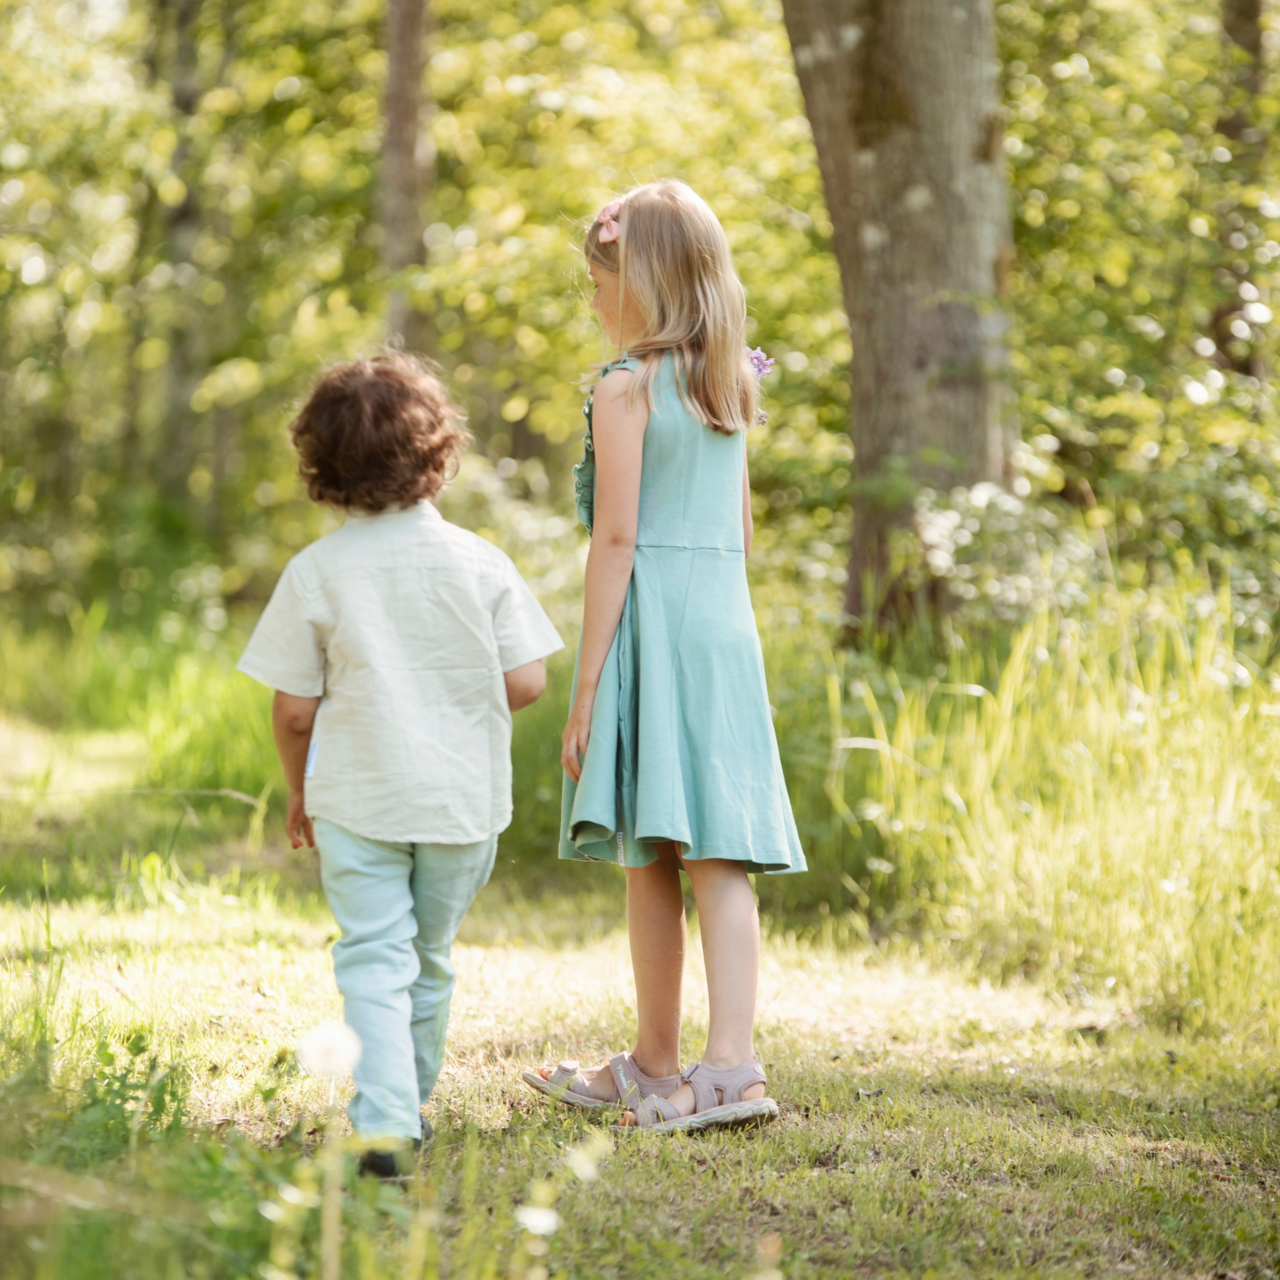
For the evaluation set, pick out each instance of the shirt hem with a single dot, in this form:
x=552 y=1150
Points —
x=534 y=653
x=263 y=674
x=369 y=831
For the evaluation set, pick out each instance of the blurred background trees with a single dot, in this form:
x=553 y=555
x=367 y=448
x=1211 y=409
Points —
x=200 y=203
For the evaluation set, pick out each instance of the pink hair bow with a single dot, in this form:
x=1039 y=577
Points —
x=607 y=219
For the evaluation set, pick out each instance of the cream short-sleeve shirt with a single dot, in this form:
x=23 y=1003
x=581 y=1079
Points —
x=403 y=625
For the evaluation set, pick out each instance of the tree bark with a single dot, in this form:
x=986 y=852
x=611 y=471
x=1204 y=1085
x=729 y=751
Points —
x=1242 y=26
x=226 y=464
x=130 y=431
x=1243 y=76
x=187 y=358
x=408 y=160
x=903 y=99
x=1242 y=37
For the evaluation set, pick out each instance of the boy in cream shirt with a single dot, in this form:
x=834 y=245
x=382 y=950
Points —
x=398 y=647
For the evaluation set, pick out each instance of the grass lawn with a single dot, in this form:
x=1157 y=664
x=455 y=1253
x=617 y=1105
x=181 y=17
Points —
x=154 y=1121
x=927 y=1124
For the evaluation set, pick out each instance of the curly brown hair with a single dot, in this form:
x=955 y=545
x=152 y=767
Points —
x=378 y=433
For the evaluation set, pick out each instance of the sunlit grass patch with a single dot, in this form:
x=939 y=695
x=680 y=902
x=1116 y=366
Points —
x=39 y=763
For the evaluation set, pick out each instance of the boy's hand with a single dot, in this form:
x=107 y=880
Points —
x=297 y=824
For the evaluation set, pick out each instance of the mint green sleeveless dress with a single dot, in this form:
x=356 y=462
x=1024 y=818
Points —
x=682 y=746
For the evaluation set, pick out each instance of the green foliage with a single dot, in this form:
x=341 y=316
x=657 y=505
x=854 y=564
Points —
x=1146 y=215
x=141 y=220
x=547 y=111
x=184 y=244
x=179 y=262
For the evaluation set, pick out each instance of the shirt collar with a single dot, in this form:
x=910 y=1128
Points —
x=425 y=507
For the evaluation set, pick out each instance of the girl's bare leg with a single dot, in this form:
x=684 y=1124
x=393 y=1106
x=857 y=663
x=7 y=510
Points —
x=656 y=927
x=730 y=927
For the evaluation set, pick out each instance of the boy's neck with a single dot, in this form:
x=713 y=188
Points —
x=424 y=505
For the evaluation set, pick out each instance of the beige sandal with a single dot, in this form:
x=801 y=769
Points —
x=717 y=1102
x=567 y=1084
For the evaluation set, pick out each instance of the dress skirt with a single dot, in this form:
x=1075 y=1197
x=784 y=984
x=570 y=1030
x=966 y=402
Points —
x=682 y=746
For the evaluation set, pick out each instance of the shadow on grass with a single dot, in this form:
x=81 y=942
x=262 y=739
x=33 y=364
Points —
x=90 y=848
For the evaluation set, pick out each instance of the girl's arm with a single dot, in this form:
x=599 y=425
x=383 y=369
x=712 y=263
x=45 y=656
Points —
x=617 y=430
x=291 y=721
x=748 y=525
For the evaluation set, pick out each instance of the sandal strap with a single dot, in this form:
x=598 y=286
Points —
x=720 y=1086
x=567 y=1076
x=654 y=1110
x=633 y=1085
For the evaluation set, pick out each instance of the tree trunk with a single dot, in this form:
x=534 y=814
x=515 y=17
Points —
x=407 y=163
x=227 y=463
x=1242 y=26
x=186 y=346
x=903 y=99
x=130 y=431
x=1238 y=347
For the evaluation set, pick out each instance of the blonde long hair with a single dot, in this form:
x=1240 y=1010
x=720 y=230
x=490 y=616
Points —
x=672 y=258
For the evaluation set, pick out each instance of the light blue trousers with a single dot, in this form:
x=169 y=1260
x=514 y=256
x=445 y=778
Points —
x=399 y=907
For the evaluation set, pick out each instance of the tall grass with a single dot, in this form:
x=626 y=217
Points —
x=76 y=672
x=1100 y=817
x=209 y=727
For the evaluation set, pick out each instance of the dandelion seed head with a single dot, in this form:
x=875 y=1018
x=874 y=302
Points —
x=331 y=1049
x=538 y=1220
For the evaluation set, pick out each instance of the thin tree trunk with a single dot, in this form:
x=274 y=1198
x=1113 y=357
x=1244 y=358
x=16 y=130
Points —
x=226 y=464
x=1242 y=83
x=59 y=441
x=903 y=100
x=130 y=431
x=408 y=161
x=1242 y=26
x=186 y=345
x=131 y=446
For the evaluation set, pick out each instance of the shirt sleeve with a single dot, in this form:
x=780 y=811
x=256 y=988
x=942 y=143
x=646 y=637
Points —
x=285 y=650
x=523 y=630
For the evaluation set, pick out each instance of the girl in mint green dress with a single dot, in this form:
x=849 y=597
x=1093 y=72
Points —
x=670 y=758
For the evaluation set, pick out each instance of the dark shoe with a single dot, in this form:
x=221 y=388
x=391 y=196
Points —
x=389 y=1165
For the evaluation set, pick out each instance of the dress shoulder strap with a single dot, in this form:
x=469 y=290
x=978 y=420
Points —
x=623 y=361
